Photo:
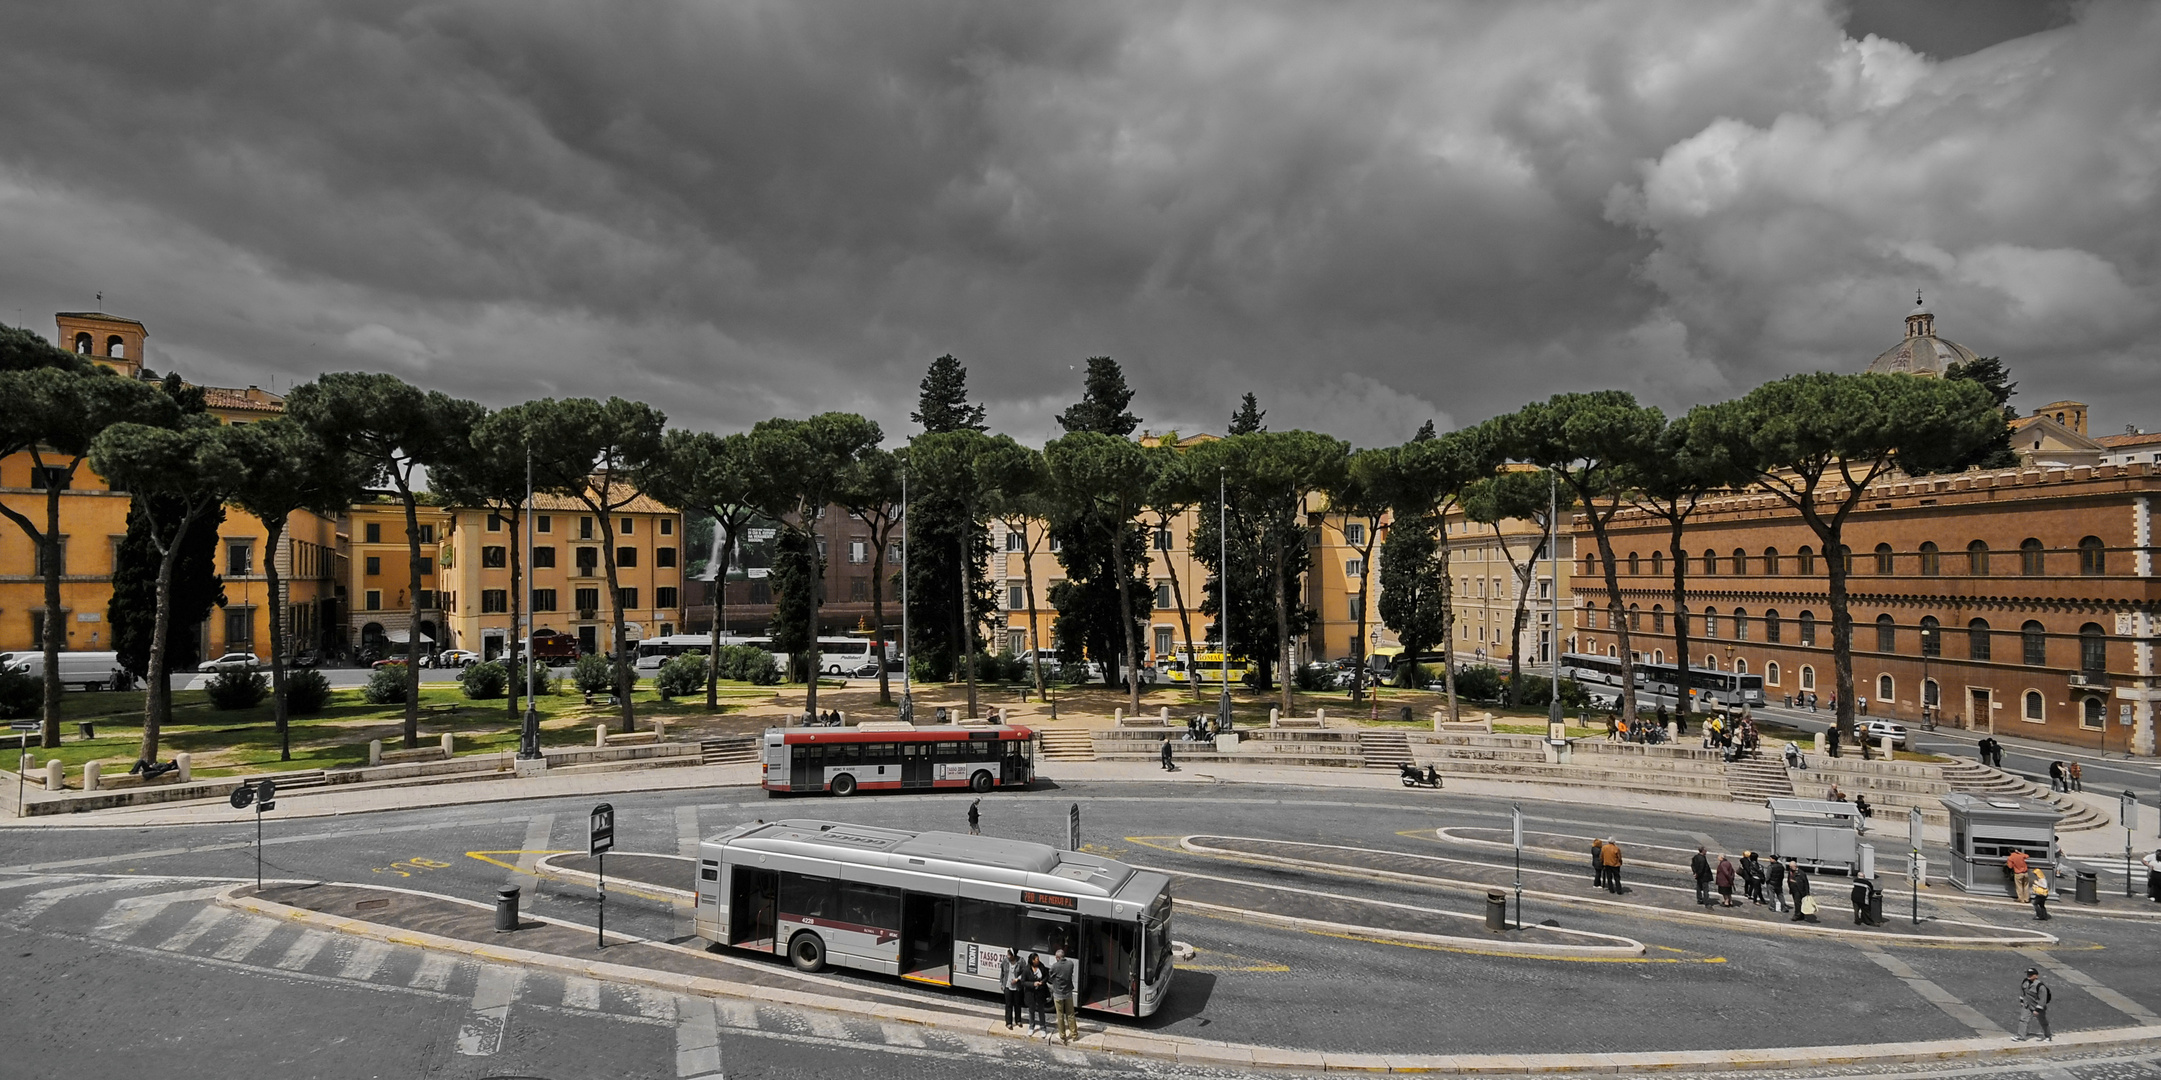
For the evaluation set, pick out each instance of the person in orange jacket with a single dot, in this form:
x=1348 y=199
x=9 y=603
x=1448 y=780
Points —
x=1610 y=855
x=2021 y=884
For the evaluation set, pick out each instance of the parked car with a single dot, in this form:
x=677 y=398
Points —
x=1880 y=729
x=83 y=670
x=456 y=658
x=232 y=661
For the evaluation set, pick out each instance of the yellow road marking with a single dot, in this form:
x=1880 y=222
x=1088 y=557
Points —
x=483 y=857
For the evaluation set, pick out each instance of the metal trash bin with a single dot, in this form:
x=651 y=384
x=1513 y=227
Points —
x=2088 y=889
x=86 y=729
x=506 y=909
x=1875 y=904
x=1496 y=911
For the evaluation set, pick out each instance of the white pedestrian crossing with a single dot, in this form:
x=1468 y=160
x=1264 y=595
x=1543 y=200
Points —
x=482 y=1032
x=128 y=915
x=657 y=1004
x=303 y=951
x=41 y=902
x=247 y=939
x=434 y=973
x=900 y=1034
x=581 y=993
x=28 y=880
x=825 y=1024
x=697 y=1039
x=737 y=1013
x=365 y=961
x=201 y=924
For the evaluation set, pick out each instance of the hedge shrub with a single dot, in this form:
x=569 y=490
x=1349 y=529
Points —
x=483 y=682
x=681 y=676
x=238 y=689
x=386 y=685
x=593 y=674
x=306 y=692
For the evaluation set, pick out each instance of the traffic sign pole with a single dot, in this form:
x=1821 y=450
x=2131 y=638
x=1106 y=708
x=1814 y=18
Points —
x=2129 y=810
x=600 y=838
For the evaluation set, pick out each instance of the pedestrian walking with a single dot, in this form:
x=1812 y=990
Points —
x=2014 y=864
x=1036 y=984
x=1011 y=974
x=1830 y=743
x=1167 y=766
x=1751 y=877
x=2033 y=999
x=1860 y=901
x=2055 y=777
x=1062 y=989
x=1598 y=864
x=1724 y=877
x=975 y=818
x=2040 y=897
x=1797 y=883
x=2075 y=776
x=1700 y=864
x=1775 y=877
x=2153 y=876
x=1610 y=855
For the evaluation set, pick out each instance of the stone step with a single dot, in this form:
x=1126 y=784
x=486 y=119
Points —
x=735 y=751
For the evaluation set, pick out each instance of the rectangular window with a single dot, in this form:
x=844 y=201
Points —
x=664 y=556
x=1013 y=540
x=1354 y=568
x=543 y=523
x=494 y=601
x=1354 y=534
x=427 y=565
x=372 y=533
x=1016 y=598
x=626 y=597
x=626 y=526
x=239 y=628
x=427 y=600
x=588 y=561
x=859 y=590
x=239 y=559
x=585 y=528
x=665 y=597
x=667 y=526
x=1358 y=605
x=48 y=477
x=588 y=599
x=495 y=522
x=544 y=556
x=427 y=534
x=1163 y=594
x=892 y=554
x=494 y=557
x=761 y=591
x=1162 y=539
x=374 y=565
x=37 y=629
x=543 y=599
x=626 y=556
x=37 y=560
x=858 y=551
x=374 y=600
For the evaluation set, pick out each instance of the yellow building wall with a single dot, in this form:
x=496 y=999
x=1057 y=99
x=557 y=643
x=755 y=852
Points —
x=655 y=533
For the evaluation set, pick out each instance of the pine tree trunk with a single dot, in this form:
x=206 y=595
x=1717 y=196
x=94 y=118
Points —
x=1283 y=626
x=817 y=585
x=274 y=538
x=1448 y=626
x=877 y=612
x=512 y=647
x=412 y=619
x=157 y=703
x=1684 y=695
x=1185 y=622
x=625 y=677
x=55 y=626
x=1125 y=616
x=1618 y=617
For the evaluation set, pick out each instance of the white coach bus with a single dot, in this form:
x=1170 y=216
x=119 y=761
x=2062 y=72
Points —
x=936 y=907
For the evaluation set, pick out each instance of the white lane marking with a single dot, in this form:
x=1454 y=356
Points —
x=1932 y=993
x=900 y=1034
x=33 y=879
x=697 y=1038
x=249 y=938
x=737 y=1014
x=366 y=960
x=303 y=950
x=196 y=928
x=482 y=1032
x=655 y=1004
x=1069 y=1057
x=826 y=1025
x=434 y=973
x=978 y=1045
x=129 y=915
x=686 y=831
x=2106 y=996
x=537 y=832
x=40 y=903
x=580 y=992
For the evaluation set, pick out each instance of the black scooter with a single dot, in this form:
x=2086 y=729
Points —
x=1414 y=778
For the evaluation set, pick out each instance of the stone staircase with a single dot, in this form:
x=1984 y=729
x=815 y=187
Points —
x=1976 y=779
x=1067 y=743
x=1753 y=780
x=729 y=750
x=1384 y=749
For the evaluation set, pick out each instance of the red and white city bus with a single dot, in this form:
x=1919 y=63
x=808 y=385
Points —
x=846 y=761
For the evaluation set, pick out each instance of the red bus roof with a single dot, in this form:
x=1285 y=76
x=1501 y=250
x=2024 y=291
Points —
x=921 y=734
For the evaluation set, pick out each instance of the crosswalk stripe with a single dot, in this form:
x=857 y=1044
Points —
x=247 y=940
x=32 y=879
x=736 y=1013
x=825 y=1024
x=979 y=1045
x=365 y=961
x=39 y=903
x=303 y=950
x=128 y=916
x=697 y=1039
x=657 y=1004
x=196 y=928
x=1068 y=1057
x=434 y=973
x=900 y=1034
x=482 y=1032
x=580 y=993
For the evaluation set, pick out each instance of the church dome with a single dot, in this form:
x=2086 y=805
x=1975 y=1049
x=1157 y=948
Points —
x=1922 y=353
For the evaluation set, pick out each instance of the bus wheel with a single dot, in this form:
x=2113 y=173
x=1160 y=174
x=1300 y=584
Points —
x=807 y=952
x=980 y=782
x=844 y=785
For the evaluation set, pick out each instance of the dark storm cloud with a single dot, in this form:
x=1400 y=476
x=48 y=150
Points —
x=1368 y=214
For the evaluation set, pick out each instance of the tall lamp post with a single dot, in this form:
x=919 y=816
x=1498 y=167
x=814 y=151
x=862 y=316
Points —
x=907 y=648
x=529 y=734
x=1556 y=723
x=1223 y=593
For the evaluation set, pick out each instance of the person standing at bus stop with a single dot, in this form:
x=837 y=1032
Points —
x=1062 y=995
x=1011 y=973
x=1035 y=985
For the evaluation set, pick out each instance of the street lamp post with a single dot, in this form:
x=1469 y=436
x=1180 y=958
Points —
x=1223 y=593
x=907 y=649
x=1556 y=724
x=529 y=733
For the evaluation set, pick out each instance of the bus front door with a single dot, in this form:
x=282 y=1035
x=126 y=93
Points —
x=926 y=938
x=1113 y=966
x=753 y=900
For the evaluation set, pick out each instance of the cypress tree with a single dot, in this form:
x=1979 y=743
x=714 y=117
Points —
x=1249 y=418
x=935 y=529
x=1087 y=601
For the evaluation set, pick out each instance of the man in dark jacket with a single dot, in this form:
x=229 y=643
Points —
x=1797 y=883
x=1751 y=877
x=1830 y=744
x=1777 y=874
x=1168 y=767
x=1598 y=864
x=2033 y=999
x=1701 y=864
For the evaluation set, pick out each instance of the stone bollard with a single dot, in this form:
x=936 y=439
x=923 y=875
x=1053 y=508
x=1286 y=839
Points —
x=375 y=751
x=1886 y=744
x=55 y=775
x=1273 y=717
x=1439 y=717
x=660 y=730
x=600 y=735
x=187 y=766
x=843 y=714
x=1118 y=715
x=1819 y=743
x=449 y=741
x=90 y=776
x=1163 y=715
x=1673 y=733
x=1320 y=716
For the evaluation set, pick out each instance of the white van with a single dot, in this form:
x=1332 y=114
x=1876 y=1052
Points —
x=84 y=670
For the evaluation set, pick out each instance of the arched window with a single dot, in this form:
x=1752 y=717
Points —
x=1931 y=694
x=1635 y=617
x=1931 y=636
x=1740 y=561
x=1770 y=673
x=1740 y=624
x=1770 y=561
x=1977 y=559
x=2092 y=714
x=2036 y=706
x=116 y=347
x=1845 y=555
x=1658 y=656
x=2035 y=637
x=1632 y=565
x=2031 y=557
x=1611 y=651
x=1885 y=564
x=1740 y=665
x=83 y=344
x=1807 y=558
x=1658 y=618
x=1590 y=566
x=1808 y=628
x=1886 y=691
x=2092 y=557
x=1710 y=662
x=1710 y=622
x=1658 y=562
x=1771 y=628
x=1710 y=562
x=1931 y=559
x=2092 y=649
x=1886 y=634
x=1977 y=640
x=1808 y=677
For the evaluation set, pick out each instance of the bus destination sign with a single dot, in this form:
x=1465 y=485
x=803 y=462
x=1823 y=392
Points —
x=1042 y=899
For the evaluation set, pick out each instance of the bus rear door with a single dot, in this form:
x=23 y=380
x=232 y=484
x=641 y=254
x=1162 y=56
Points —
x=1113 y=970
x=753 y=899
x=926 y=938
x=917 y=768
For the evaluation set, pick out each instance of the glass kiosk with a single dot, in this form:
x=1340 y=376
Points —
x=1987 y=828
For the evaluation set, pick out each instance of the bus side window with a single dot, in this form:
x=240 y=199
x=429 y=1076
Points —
x=803 y=896
x=986 y=923
x=855 y=753
x=870 y=905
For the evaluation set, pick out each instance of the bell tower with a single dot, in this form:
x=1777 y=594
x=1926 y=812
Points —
x=110 y=340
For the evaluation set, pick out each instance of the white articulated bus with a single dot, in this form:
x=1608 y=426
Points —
x=936 y=907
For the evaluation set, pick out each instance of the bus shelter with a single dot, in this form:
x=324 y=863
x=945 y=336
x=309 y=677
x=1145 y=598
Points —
x=1819 y=833
x=1986 y=829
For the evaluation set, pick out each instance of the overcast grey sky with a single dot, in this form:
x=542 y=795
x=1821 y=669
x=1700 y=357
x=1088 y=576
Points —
x=1366 y=213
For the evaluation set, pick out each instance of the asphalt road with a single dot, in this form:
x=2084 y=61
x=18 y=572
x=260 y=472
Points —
x=109 y=967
